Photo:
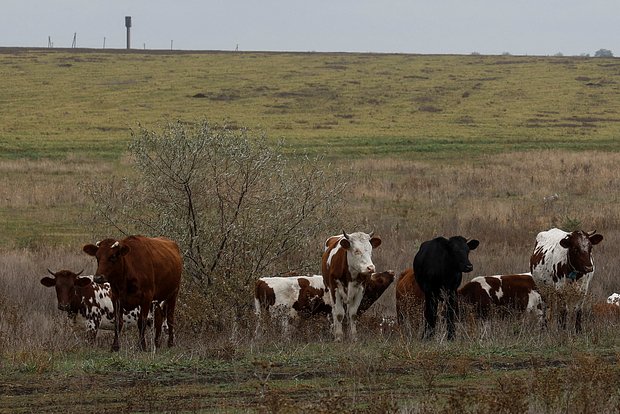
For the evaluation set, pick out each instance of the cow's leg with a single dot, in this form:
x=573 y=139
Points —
x=355 y=294
x=142 y=322
x=452 y=310
x=158 y=320
x=578 y=320
x=430 y=315
x=338 y=314
x=118 y=325
x=170 y=305
x=93 y=326
x=562 y=316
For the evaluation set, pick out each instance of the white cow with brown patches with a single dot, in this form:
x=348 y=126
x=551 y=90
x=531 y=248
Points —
x=346 y=264
x=515 y=292
x=560 y=258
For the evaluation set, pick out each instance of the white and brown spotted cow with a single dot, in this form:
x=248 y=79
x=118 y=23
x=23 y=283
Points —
x=288 y=297
x=88 y=304
x=346 y=265
x=560 y=258
x=295 y=297
x=506 y=293
x=614 y=299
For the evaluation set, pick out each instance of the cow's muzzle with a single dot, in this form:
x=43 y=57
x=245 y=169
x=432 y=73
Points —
x=64 y=308
x=468 y=268
x=99 y=279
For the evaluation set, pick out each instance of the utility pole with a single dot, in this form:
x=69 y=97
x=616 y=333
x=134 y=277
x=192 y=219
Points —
x=128 y=26
x=49 y=42
x=104 y=42
x=74 y=40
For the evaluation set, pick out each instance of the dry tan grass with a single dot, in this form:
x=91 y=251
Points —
x=500 y=200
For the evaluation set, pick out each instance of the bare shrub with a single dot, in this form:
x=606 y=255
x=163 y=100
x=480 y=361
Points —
x=237 y=207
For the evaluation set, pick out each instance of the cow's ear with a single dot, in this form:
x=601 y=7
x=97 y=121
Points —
x=472 y=244
x=345 y=243
x=375 y=242
x=90 y=249
x=48 y=281
x=124 y=250
x=596 y=239
x=565 y=242
x=82 y=282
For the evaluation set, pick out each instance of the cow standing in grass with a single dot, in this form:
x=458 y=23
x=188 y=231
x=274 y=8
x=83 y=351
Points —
x=294 y=297
x=89 y=305
x=140 y=270
x=438 y=267
x=506 y=293
x=561 y=259
x=346 y=266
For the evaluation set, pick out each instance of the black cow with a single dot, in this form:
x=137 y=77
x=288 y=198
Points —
x=438 y=268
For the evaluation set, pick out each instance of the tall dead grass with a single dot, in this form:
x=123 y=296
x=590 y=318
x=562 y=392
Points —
x=499 y=200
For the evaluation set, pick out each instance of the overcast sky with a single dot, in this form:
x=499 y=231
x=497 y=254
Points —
x=519 y=27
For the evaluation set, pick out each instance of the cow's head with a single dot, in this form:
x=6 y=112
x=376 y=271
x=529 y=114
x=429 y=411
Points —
x=109 y=254
x=459 y=248
x=579 y=250
x=380 y=281
x=376 y=284
x=66 y=282
x=359 y=251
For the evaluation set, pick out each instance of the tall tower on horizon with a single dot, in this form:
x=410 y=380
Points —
x=128 y=26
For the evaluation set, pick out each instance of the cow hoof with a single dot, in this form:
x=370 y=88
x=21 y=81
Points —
x=115 y=348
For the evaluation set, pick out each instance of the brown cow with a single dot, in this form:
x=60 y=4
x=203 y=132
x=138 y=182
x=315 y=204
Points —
x=140 y=270
x=605 y=311
x=506 y=292
x=346 y=264
x=409 y=296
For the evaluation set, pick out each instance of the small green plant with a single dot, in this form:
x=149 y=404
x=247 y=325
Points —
x=570 y=224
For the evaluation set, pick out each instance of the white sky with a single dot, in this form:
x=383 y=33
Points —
x=519 y=27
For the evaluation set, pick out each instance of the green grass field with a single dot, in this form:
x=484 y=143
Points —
x=85 y=103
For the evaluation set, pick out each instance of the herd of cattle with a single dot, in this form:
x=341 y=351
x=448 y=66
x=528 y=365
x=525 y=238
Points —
x=137 y=282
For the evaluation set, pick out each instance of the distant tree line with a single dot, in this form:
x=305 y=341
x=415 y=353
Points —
x=605 y=53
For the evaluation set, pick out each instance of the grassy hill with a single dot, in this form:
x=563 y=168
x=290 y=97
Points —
x=85 y=102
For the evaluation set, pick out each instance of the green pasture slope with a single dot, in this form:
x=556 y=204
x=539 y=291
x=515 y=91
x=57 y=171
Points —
x=67 y=115
x=85 y=102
